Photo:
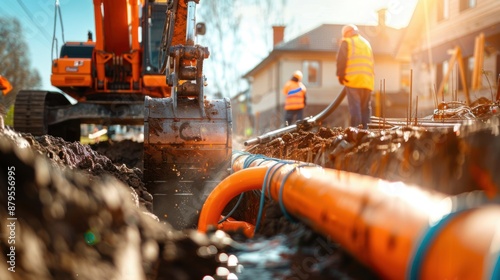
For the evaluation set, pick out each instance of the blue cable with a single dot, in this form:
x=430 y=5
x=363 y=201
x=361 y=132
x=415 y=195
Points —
x=282 y=186
x=262 y=199
x=252 y=158
x=240 y=155
x=265 y=185
x=268 y=190
x=234 y=208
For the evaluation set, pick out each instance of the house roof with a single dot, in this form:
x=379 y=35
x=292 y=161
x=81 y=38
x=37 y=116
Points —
x=326 y=38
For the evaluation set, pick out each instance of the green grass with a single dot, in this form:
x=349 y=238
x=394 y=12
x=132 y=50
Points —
x=86 y=141
x=9 y=118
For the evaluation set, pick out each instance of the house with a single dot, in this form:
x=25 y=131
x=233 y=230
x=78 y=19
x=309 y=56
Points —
x=314 y=53
x=436 y=30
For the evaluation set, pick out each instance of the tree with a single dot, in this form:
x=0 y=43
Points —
x=14 y=63
x=239 y=35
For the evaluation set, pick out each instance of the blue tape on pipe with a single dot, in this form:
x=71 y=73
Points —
x=496 y=269
x=425 y=243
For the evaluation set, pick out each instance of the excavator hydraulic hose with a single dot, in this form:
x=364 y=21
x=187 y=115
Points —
x=399 y=231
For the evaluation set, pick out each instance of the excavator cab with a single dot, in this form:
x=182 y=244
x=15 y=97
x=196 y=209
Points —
x=144 y=68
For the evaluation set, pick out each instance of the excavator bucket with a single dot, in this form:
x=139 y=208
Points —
x=187 y=152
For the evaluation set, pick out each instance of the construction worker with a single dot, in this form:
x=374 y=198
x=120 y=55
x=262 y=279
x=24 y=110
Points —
x=355 y=72
x=295 y=101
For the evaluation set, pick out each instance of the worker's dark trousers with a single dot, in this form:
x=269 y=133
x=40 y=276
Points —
x=359 y=100
x=292 y=116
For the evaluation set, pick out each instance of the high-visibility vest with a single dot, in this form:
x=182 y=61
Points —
x=295 y=95
x=359 y=69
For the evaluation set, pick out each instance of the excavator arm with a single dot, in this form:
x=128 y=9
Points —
x=187 y=144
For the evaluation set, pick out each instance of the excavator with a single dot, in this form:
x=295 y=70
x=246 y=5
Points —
x=144 y=68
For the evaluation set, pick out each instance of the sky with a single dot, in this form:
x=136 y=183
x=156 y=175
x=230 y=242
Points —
x=37 y=20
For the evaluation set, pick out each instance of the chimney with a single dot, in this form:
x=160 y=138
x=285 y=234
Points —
x=278 y=34
x=382 y=17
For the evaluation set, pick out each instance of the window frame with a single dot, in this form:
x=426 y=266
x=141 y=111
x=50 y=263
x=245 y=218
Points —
x=305 y=72
x=443 y=10
x=465 y=5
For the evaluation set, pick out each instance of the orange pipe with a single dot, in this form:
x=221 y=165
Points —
x=230 y=187
x=383 y=224
x=232 y=225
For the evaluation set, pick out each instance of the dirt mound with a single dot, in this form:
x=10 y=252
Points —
x=126 y=152
x=74 y=155
x=451 y=160
x=66 y=223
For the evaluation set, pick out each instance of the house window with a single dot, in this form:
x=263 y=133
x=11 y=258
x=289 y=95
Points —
x=443 y=9
x=468 y=72
x=444 y=69
x=467 y=4
x=405 y=77
x=311 y=71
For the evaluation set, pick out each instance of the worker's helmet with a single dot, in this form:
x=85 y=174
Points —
x=298 y=74
x=349 y=30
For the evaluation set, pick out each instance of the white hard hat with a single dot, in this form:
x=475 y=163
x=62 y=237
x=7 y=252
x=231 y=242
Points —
x=298 y=74
x=349 y=30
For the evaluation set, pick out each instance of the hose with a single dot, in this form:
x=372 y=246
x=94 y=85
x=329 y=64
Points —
x=306 y=123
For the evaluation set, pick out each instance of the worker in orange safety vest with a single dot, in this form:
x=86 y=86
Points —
x=295 y=101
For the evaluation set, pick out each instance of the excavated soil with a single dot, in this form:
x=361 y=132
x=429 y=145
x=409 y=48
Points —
x=75 y=215
x=83 y=212
x=444 y=160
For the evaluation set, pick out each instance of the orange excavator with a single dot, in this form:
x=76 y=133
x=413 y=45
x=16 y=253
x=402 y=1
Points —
x=144 y=68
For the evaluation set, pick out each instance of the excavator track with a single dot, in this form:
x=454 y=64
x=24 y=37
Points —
x=30 y=112
x=32 y=115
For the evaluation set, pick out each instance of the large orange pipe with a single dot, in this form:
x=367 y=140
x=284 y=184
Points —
x=388 y=226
